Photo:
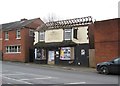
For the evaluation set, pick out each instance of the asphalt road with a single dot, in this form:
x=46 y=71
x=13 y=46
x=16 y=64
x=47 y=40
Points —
x=24 y=73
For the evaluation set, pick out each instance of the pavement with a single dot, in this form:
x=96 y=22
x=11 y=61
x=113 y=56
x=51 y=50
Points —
x=64 y=67
x=69 y=67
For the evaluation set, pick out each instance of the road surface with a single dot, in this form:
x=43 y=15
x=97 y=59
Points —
x=26 y=73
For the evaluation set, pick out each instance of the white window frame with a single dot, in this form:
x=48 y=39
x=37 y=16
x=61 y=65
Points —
x=12 y=49
x=18 y=34
x=6 y=35
x=43 y=35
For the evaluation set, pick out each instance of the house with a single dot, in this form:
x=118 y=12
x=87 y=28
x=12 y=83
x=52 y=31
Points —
x=106 y=39
x=18 y=38
x=63 y=42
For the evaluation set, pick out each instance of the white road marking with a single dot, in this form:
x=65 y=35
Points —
x=28 y=74
x=76 y=83
x=44 y=77
x=34 y=74
x=13 y=74
x=37 y=78
x=17 y=80
x=9 y=83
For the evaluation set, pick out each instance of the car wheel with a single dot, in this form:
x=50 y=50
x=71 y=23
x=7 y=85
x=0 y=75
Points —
x=104 y=70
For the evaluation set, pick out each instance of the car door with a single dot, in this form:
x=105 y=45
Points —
x=119 y=65
x=116 y=65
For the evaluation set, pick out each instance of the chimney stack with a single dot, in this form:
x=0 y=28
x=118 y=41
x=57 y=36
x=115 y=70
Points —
x=23 y=19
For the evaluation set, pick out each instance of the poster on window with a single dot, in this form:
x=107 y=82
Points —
x=39 y=54
x=65 y=53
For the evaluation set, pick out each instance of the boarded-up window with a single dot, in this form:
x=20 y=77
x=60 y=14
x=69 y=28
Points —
x=75 y=33
x=67 y=34
x=42 y=36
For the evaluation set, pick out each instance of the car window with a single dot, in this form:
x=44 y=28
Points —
x=117 y=61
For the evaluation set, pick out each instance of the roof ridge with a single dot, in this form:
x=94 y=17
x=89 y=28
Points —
x=17 y=24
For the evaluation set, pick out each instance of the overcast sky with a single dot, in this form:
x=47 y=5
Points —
x=14 y=10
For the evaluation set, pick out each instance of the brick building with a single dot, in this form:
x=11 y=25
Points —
x=106 y=39
x=18 y=38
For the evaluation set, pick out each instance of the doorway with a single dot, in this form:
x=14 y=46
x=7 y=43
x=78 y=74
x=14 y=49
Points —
x=82 y=55
x=31 y=55
x=51 y=57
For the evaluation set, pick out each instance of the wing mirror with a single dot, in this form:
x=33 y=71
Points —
x=112 y=61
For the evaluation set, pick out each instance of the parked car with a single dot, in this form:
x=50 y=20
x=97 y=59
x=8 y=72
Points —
x=112 y=66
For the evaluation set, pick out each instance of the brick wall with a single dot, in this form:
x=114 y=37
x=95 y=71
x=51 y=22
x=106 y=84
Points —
x=106 y=30
x=106 y=51
x=26 y=42
x=107 y=41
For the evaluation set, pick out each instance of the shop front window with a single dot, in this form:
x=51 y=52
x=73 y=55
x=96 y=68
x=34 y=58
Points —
x=65 y=53
x=40 y=54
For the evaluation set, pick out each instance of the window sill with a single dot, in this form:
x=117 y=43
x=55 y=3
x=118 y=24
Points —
x=0 y=39
x=67 y=39
x=41 y=40
x=18 y=38
x=6 y=39
x=14 y=53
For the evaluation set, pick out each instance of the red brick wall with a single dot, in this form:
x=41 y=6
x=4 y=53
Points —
x=26 y=42
x=106 y=30
x=107 y=41
x=106 y=51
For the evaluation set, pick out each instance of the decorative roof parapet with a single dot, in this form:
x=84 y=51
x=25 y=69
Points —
x=67 y=23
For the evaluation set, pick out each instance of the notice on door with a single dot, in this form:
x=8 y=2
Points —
x=82 y=52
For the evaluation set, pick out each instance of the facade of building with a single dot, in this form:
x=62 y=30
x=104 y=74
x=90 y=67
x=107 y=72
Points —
x=63 y=42
x=106 y=39
x=0 y=42
x=18 y=39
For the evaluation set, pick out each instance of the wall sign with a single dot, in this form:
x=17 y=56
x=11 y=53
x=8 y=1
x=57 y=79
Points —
x=82 y=52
